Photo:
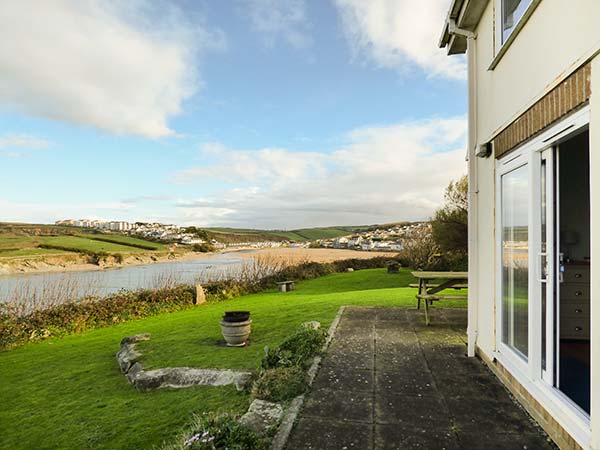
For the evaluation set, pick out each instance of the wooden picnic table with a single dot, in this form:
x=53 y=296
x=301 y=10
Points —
x=429 y=292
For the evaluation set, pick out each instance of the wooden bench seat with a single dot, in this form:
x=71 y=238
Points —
x=456 y=286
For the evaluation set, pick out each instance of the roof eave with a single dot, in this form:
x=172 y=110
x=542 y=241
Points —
x=466 y=14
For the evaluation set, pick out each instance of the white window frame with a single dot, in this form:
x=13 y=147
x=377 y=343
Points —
x=528 y=372
x=512 y=162
x=500 y=46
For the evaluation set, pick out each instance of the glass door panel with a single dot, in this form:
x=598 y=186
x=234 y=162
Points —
x=515 y=259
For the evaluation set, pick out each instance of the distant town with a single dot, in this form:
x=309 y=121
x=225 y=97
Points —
x=383 y=238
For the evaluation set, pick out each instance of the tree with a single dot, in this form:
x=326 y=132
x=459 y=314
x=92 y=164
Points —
x=449 y=225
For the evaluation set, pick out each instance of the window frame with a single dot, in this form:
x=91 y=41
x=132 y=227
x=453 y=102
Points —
x=501 y=47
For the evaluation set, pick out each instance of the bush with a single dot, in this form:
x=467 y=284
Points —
x=296 y=350
x=421 y=250
x=280 y=384
x=87 y=314
x=203 y=248
x=219 y=432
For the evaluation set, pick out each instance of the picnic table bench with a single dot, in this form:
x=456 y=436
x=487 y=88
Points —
x=430 y=291
x=285 y=286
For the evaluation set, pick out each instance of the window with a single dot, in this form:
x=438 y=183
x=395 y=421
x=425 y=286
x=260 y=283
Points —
x=511 y=12
x=515 y=259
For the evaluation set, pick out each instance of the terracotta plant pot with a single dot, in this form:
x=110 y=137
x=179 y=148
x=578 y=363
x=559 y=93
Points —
x=236 y=328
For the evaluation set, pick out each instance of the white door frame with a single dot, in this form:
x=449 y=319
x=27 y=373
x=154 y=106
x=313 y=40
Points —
x=529 y=371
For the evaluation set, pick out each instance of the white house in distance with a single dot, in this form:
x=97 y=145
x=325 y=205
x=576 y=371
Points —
x=534 y=219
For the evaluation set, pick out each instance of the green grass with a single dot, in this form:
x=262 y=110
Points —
x=23 y=240
x=81 y=243
x=129 y=241
x=300 y=235
x=68 y=393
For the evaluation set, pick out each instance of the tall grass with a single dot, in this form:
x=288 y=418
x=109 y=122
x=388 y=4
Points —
x=26 y=297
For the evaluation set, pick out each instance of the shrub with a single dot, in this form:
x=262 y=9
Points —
x=296 y=350
x=203 y=248
x=87 y=314
x=219 y=432
x=280 y=384
x=421 y=251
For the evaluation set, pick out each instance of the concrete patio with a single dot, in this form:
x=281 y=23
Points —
x=389 y=382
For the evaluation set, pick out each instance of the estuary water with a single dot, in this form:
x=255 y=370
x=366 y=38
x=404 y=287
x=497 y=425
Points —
x=77 y=284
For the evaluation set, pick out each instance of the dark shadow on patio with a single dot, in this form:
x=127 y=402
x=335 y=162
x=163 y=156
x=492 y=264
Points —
x=390 y=382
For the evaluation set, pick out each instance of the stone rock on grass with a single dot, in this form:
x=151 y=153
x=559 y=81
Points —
x=133 y=372
x=315 y=325
x=127 y=356
x=262 y=415
x=180 y=377
x=135 y=339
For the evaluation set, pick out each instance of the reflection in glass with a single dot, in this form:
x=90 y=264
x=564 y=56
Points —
x=515 y=259
x=512 y=11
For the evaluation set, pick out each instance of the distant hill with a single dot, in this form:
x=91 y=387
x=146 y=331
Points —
x=299 y=235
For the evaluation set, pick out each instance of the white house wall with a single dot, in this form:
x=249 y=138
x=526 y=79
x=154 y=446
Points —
x=537 y=61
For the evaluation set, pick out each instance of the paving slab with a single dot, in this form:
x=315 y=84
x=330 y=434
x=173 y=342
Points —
x=327 y=434
x=340 y=405
x=388 y=382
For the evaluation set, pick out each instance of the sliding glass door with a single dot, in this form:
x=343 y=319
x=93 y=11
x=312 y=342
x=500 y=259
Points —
x=515 y=259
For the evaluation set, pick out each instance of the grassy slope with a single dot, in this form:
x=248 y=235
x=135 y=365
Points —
x=300 y=235
x=132 y=242
x=84 y=243
x=12 y=244
x=69 y=393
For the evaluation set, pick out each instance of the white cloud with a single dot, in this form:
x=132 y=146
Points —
x=46 y=212
x=400 y=34
x=122 y=67
x=279 y=20
x=381 y=174
x=16 y=145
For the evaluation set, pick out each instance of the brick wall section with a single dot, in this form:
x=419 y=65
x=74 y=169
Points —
x=564 y=98
x=557 y=433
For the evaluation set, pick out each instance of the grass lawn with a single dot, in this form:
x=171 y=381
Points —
x=84 y=243
x=14 y=245
x=132 y=242
x=68 y=393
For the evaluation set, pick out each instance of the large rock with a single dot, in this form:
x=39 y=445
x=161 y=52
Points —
x=315 y=325
x=135 y=339
x=180 y=377
x=262 y=415
x=127 y=356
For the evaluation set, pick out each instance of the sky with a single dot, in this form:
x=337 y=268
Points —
x=275 y=114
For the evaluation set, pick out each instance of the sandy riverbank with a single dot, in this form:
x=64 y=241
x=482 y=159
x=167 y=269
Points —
x=76 y=262
x=298 y=255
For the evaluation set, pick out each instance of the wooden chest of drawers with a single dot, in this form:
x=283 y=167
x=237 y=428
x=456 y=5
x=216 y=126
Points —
x=575 y=302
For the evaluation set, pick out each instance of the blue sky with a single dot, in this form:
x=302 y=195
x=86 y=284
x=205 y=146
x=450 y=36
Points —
x=250 y=113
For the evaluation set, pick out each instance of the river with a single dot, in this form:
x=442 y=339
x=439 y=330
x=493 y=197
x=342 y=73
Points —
x=77 y=284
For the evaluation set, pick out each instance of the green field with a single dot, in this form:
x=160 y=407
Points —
x=21 y=240
x=68 y=393
x=80 y=243
x=299 y=235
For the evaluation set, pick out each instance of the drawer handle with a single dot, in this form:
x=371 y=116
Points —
x=578 y=329
x=578 y=293
x=578 y=275
x=578 y=311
